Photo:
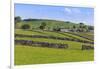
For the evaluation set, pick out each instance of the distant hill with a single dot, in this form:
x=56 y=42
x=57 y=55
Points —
x=49 y=23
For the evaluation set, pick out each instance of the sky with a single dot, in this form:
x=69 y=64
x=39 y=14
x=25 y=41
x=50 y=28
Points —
x=62 y=13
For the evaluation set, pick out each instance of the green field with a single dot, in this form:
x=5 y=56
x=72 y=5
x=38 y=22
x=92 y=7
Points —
x=37 y=55
x=25 y=54
x=50 y=23
x=48 y=33
x=87 y=35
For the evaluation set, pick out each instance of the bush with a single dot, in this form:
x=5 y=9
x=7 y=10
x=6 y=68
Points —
x=42 y=26
x=18 y=19
x=25 y=26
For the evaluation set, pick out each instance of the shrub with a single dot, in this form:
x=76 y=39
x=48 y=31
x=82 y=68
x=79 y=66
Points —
x=25 y=26
x=42 y=26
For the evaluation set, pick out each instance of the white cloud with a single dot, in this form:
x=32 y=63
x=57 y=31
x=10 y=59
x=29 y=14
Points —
x=72 y=10
x=68 y=10
x=76 y=10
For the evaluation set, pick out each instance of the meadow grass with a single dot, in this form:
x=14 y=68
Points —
x=26 y=32
x=49 y=23
x=38 y=55
x=48 y=33
x=41 y=55
x=39 y=32
x=89 y=35
x=77 y=37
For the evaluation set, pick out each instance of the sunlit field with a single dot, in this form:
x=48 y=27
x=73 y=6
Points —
x=46 y=34
x=37 y=55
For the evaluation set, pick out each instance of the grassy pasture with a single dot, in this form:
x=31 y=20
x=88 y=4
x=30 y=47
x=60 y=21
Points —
x=50 y=23
x=48 y=33
x=87 y=35
x=74 y=36
x=19 y=31
x=37 y=55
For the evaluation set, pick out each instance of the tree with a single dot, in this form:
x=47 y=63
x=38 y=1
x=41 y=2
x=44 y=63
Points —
x=81 y=25
x=42 y=26
x=56 y=29
x=85 y=28
x=90 y=27
x=68 y=22
x=74 y=27
x=25 y=26
x=17 y=19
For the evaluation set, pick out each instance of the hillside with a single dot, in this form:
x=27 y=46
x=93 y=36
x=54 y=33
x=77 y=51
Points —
x=33 y=43
x=33 y=53
x=50 y=23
